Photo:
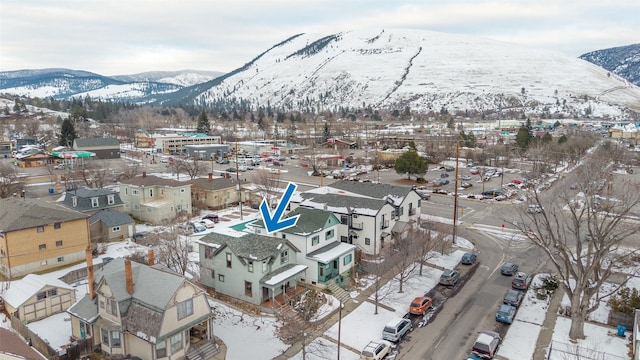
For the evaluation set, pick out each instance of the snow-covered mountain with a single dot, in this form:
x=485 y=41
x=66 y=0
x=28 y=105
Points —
x=65 y=84
x=426 y=71
x=623 y=61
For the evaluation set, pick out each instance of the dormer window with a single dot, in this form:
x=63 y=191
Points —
x=111 y=199
x=94 y=202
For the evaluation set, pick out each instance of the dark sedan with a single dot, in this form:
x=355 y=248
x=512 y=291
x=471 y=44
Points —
x=468 y=258
x=509 y=269
x=512 y=297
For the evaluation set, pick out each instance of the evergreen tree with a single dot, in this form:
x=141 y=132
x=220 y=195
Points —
x=327 y=132
x=523 y=138
x=411 y=163
x=203 y=123
x=67 y=133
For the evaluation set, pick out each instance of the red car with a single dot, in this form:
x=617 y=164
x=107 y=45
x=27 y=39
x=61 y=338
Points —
x=420 y=305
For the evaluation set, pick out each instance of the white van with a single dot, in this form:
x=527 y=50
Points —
x=396 y=328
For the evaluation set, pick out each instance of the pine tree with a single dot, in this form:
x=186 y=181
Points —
x=67 y=133
x=203 y=123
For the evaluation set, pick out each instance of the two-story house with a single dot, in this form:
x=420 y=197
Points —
x=218 y=192
x=140 y=310
x=316 y=235
x=154 y=199
x=255 y=268
x=108 y=220
x=37 y=235
x=371 y=215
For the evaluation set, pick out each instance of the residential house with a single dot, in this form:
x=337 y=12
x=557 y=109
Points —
x=5 y=147
x=255 y=268
x=218 y=192
x=316 y=235
x=37 y=235
x=154 y=199
x=110 y=225
x=104 y=148
x=90 y=201
x=144 y=311
x=371 y=215
x=36 y=297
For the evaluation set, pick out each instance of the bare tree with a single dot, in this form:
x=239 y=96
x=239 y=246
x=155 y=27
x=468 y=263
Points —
x=10 y=183
x=427 y=242
x=405 y=255
x=583 y=237
x=173 y=249
x=94 y=174
x=267 y=182
x=193 y=168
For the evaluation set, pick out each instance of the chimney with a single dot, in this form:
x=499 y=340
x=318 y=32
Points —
x=90 y=274
x=210 y=176
x=152 y=258
x=144 y=174
x=128 y=275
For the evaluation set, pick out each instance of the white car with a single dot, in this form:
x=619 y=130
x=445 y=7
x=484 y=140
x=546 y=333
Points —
x=375 y=350
x=207 y=223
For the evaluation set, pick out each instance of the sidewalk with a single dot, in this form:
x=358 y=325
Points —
x=544 y=338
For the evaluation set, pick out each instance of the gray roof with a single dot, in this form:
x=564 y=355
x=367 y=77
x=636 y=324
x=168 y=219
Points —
x=84 y=195
x=310 y=221
x=351 y=203
x=216 y=183
x=249 y=246
x=151 y=180
x=111 y=218
x=85 y=309
x=96 y=142
x=377 y=191
x=19 y=213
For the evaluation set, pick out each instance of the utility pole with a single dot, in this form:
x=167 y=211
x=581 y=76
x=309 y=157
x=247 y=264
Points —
x=238 y=181
x=455 y=196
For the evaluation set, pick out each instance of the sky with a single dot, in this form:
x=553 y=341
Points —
x=118 y=37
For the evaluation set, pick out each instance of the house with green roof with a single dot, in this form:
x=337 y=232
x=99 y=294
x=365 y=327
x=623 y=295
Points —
x=258 y=269
x=143 y=311
x=316 y=235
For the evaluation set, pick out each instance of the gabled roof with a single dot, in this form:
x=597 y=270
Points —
x=21 y=290
x=83 y=199
x=310 y=221
x=248 y=246
x=373 y=190
x=111 y=218
x=151 y=180
x=24 y=213
x=342 y=204
x=13 y=346
x=215 y=183
x=85 y=308
x=93 y=142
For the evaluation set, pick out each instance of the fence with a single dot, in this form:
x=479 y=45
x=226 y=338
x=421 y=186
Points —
x=565 y=351
x=73 y=351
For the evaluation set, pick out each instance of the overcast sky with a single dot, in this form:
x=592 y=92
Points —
x=116 y=37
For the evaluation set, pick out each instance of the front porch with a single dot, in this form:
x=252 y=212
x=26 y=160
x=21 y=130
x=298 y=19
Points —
x=284 y=298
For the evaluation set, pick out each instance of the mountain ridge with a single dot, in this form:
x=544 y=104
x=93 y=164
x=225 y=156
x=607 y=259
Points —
x=623 y=61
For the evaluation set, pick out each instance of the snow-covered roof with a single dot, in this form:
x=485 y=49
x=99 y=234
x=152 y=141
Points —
x=280 y=277
x=331 y=252
x=21 y=290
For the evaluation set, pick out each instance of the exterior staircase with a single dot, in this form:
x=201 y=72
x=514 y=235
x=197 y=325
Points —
x=205 y=350
x=341 y=294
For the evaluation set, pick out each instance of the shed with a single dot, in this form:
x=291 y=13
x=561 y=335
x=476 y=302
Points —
x=36 y=297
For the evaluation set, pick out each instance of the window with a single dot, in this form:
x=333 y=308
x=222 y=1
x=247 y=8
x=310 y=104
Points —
x=208 y=252
x=185 y=309
x=101 y=304
x=61 y=259
x=42 y=247
x=115 y=339
x=111 y=199
x=126 y=191
x=229 y=260
x=182 y=190
x=58 y=243
x=151 y=192
x=42 y=295
x=105 y=337
x=56 y=225
x=161 y=350
x=75 y=201
x=315 y=240
x=52 y=292
x=329 y=234
x=346 y=260
x=367 y=241
x=264 y=266
x=344 y=219
x=176 y=343
x=213 y=274
x=284 y=236
x=247 y=289
x=134 y=191
x=284 y=257
x=94 y=202
x=112 y=307
x=220 y=277
x=115 y=228
x=250 y=266
x=40 y=228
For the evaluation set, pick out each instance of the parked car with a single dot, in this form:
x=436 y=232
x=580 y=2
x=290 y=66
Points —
x=505 y=314
x=534 y=209
x=420 y=305
x=444 y=175
x=513 y=298
x=138 y=235
x=207 y=223
x=468 y=258
x=396 y=329
x=212 y=217
x=231 y=170
x=465 y=177
x=197 y=227
x=521 y=281
x=509 y=269
x=487 y=343
x=223 y=161
x=375 y=350
x=449 y=277
x=424 y=195
x=474 y=171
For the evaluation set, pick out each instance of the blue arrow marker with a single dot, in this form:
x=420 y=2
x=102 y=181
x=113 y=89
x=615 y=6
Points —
x=275 y=222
